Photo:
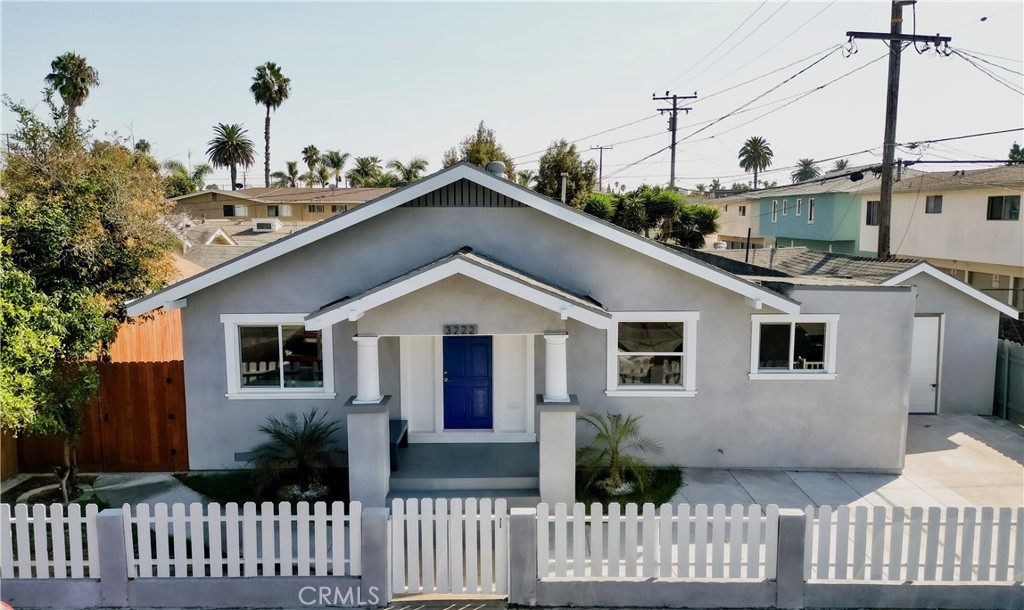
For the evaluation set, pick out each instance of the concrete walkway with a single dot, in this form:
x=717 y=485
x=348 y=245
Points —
x=951 y=461
x=150 y=488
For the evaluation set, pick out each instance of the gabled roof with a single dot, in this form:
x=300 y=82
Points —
x=278 y=194
x=802 y=261
x=467 y=263
x=450 y=175
x=927 y=269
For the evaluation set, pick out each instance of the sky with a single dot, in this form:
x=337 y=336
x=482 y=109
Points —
x=399 y=80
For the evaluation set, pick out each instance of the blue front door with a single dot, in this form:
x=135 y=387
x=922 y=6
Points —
x=467 y=383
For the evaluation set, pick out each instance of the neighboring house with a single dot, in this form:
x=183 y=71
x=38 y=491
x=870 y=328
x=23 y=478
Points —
x=482 y=316
x=735 y=218
x=212 y=242
x=968 y=223
x=953 y=358
x=286 y=203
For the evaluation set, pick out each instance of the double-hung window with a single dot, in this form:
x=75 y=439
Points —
x=871 y=216
x=933 y=204
x=1003 y=207
x=652 y=354
x=793 y=347
x=743 y=210
x=274 y=356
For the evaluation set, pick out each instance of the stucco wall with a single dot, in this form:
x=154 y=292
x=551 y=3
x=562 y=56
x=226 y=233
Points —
x=732 y=422
x=968 y=335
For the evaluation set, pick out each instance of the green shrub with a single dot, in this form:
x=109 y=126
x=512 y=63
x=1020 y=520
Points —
x=297 y=452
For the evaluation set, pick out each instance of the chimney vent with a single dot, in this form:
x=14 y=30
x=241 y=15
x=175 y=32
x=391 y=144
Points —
x=497 y=168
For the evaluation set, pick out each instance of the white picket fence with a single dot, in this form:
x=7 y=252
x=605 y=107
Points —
x=48 y=541
x=737 y=542
x=214 y=541
x=915 y=545
x=449 y=546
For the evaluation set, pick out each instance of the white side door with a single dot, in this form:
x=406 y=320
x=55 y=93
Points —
x=924 y=365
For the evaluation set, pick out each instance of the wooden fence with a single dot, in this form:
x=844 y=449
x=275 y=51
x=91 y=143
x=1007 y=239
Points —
x=47 y=542
x=449 y=546
x=1009 y=395
x=683 y=541
x=211 y=541
x=915 y=545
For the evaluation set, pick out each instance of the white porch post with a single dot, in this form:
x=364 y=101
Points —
x=367 y=370
x=556 y=384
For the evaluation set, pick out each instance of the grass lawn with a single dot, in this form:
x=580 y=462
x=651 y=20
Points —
x=236 y=485
x=666 y=482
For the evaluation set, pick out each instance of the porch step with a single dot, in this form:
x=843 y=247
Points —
x=516 y=498
x=456 y=483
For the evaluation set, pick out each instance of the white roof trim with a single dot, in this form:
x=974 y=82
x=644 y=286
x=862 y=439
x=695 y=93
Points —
x=234 y=194
x=355 y=308
x=441 y=179
x=949 y=280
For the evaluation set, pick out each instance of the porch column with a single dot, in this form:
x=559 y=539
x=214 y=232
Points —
x=558 y=450
x=367 y=370
x=369 y=464
x=556 y=384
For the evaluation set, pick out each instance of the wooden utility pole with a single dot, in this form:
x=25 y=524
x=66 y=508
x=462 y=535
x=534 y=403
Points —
x=600 y=165
x=672 y=124
x=895 y=38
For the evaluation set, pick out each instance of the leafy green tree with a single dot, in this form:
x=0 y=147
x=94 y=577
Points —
x=631 y=215
x=694 y=223
x=231 y=147
x=601 y=205
x=82 y=234
x=289 y=177
x=526 y=177
x=840 y=165
x=805 y=170
x=661 y=208
x=311 y=157
x=335 y=161
x=756 y=156
x=562 y=157
x=365 y=172
x=72 y=77
x=269 y=88
x=480 y=148
x=615 y=455
x=1016 y=155
x=180 y=181
x=410 y=172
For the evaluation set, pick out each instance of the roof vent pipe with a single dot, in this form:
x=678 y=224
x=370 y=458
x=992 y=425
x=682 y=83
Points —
x=721 y=245
x=497 y=168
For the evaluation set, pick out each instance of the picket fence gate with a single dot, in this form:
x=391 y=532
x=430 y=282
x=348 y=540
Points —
x=47 y=542
x=449 y=546
x=213 y=541
x=915 y=545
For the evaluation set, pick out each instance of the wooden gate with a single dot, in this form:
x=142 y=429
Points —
x=136 y=424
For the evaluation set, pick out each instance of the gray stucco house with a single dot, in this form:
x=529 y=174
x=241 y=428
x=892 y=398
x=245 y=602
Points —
x=474 y=317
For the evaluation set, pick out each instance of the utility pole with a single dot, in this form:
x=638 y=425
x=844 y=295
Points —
x=672 y=124
x=895 y=39
x=600 y=164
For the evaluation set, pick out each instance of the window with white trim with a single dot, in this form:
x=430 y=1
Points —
x=788 y=347
x=871 y=216
x=785 y=206
x=316 y=208
x=775 y=210
x=799 y=204
x=274 y=356
x=743 y=210
x=810 y=211
x=652 y=354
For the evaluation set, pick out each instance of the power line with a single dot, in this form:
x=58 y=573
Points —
x=708 y=54
x=619 y=171
x=1016 y=61
x=992 y=63
x=744 y=39
x=593 y=135
x=767 y=74
x=989 y=73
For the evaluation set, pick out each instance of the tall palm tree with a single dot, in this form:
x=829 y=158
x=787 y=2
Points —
x=180 y=181
x=289 y=177
x=71 y=77
x=840 y=165
x=323 y=175
x=269 y=88
x=335 y=161
x=755 y=155
x=410 y=172
x=716 y=185
x=311 y=157
x=805 y=170
x=365 y=171
x=526 y=177
x=230 y=147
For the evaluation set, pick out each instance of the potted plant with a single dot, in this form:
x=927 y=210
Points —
x=296 y=455
x=611 y=460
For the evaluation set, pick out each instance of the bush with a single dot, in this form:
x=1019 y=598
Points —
x=297 y=452
x=610 y=461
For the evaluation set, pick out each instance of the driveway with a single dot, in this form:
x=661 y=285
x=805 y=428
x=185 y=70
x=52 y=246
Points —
x=957 y=460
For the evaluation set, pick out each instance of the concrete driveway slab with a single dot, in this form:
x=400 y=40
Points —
x=827 y=489
x=772 y=487
x=711 y=486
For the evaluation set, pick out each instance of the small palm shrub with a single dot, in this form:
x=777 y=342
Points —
x=297 y=450
x=611 y=460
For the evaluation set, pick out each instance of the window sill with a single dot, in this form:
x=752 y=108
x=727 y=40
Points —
x=793 y=376
x=651 y=393
x=281 y=395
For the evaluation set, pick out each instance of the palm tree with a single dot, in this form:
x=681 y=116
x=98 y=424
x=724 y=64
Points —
x=365 y=171
x=805 y=170
x=755 y=155
x=526 y=177
x=702 y=189
x=335 y=161
x=230 y=147
x=311 y=157
x=408 y=173
x=180 y=181
x=289 y=177
x=269 y=88
x=716 y=185
x=300 y=451
x=323 y=175
x=840 y=165
x=694 y=223
x=611 y=456
x=72 y=77
x=143 y=146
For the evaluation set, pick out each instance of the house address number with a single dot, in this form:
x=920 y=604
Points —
x=460 y=329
